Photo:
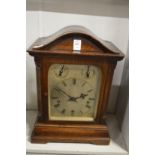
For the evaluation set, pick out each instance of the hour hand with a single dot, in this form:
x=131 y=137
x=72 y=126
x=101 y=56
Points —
x=82 y=96
x=73 y=99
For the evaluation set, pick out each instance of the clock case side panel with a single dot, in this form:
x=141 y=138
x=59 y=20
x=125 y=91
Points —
x=105 y=89
x=38 y=62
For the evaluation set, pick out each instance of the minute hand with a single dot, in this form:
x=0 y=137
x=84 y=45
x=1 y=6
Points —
x=73 y=99
x=63 y=92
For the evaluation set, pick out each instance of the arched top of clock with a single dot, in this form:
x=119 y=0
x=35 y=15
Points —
x=61 y=42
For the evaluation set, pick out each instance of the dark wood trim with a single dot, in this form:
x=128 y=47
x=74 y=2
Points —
x=96 y=134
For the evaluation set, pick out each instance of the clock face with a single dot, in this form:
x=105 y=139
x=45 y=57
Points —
x=73 y=92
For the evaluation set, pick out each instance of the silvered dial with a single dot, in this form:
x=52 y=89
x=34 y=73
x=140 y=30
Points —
x=73 y=97
x=73 y=92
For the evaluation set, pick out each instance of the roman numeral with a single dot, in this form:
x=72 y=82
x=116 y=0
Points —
x=72 y=112
x=74 y=81
x=54 y=97
x=56 y=105
x=58 y=101
x=63 y=111
x=81 y=112
x=57 y=89
x=64 y=83
x=88 y=106
x=91 y=98
x=83 y=84
x=90 y=90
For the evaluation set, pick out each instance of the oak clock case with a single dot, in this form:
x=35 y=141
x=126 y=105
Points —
x=73 y=87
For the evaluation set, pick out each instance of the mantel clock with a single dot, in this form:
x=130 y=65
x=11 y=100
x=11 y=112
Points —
x=74 y=70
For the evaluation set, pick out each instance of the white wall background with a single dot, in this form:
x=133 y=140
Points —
x=42 y=22
x=125 y=126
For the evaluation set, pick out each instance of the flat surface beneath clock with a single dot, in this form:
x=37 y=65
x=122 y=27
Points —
x=116 y=147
